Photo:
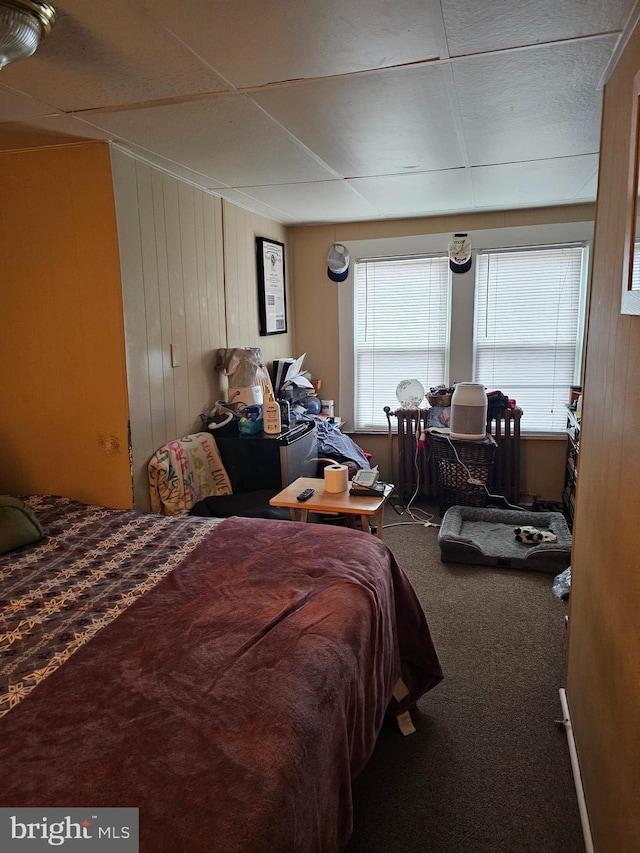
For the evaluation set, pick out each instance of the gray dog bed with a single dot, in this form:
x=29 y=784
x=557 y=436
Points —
x=485 y=537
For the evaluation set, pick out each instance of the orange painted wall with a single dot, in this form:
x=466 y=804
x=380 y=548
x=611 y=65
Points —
x=63 y=388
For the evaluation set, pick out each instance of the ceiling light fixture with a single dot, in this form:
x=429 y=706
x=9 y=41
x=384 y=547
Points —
x=23 y=24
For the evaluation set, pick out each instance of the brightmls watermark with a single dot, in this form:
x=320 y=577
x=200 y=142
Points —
x=76 y=830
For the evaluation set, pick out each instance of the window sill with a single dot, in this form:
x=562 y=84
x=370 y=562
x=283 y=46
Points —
x=525 y=436
x=544 y=436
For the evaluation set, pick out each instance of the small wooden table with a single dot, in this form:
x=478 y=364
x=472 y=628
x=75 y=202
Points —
x=329 y=502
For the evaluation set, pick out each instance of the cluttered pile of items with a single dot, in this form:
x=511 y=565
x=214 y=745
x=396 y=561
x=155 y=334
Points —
x=260 y=402
x=264 y=404
x=471 y=406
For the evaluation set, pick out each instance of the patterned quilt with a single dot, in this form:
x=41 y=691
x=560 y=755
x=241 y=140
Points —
x=91 y=565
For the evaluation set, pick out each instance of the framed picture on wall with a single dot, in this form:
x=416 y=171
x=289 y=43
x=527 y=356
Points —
x=272 y=296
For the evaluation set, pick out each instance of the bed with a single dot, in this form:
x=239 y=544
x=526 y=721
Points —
x=228 y=678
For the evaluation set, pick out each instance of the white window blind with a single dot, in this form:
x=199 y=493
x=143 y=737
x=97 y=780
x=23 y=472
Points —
x=401 y=321
x=635 y=275
x=527 y=319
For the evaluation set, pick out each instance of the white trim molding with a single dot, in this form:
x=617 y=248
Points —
x=577 y=778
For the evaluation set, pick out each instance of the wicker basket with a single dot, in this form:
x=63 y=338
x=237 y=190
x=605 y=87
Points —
x=457 y=462
x=439 y=399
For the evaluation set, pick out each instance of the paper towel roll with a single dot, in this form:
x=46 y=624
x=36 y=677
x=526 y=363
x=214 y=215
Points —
x=336 y=478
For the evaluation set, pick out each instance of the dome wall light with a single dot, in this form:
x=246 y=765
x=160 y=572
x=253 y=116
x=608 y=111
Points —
x=23 y=25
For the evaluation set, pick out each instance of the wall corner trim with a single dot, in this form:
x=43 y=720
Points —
x=577 y=778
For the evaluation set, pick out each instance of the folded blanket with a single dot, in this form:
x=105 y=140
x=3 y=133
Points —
x=185 y=471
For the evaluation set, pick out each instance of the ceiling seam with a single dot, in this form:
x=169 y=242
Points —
x=308 y=81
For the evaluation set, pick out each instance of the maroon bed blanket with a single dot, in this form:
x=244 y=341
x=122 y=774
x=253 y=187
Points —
x=234 y=702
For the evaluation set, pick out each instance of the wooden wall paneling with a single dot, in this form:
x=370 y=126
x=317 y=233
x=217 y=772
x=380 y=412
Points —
x=203 y=302
x=148 y=329
x=177 y=301
x=247 y=286
x=207 y=390
x=248 y=306
x=193 y=332
x=215 y=288
x=241 y=227
x=159 y=241
x=125 y=181
x=173 y=293
x=232 y=291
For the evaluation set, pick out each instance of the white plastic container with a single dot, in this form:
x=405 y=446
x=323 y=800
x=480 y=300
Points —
x=327 y=409
x=272 y=416
x=469 y=411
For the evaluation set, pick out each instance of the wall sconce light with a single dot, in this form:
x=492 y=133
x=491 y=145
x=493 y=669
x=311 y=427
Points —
x=23 y=25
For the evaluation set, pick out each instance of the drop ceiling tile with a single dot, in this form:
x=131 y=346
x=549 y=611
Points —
x=532 y=104
x=15 y=107
x=387 y=122
x=589 y=190
x=105 y=54
x=559 y=181
x=283 y=150
x=497 y=24
x=321 y=201
x=424 y=194
x=224 y=137
x=289 y=40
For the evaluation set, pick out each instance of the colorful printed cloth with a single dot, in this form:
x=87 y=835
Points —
x=185 y=471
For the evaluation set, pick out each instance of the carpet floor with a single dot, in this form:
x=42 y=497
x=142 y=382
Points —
x=488 y=768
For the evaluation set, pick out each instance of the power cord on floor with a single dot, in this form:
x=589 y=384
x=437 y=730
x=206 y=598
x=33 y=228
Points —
x=386 y=499
x=411 y=524
x=413 y=512
x=407 y=509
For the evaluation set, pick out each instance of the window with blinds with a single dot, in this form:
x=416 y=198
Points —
x=527 y=327
x=401 y=321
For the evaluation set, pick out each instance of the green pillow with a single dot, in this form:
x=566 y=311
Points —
x=18 y=524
